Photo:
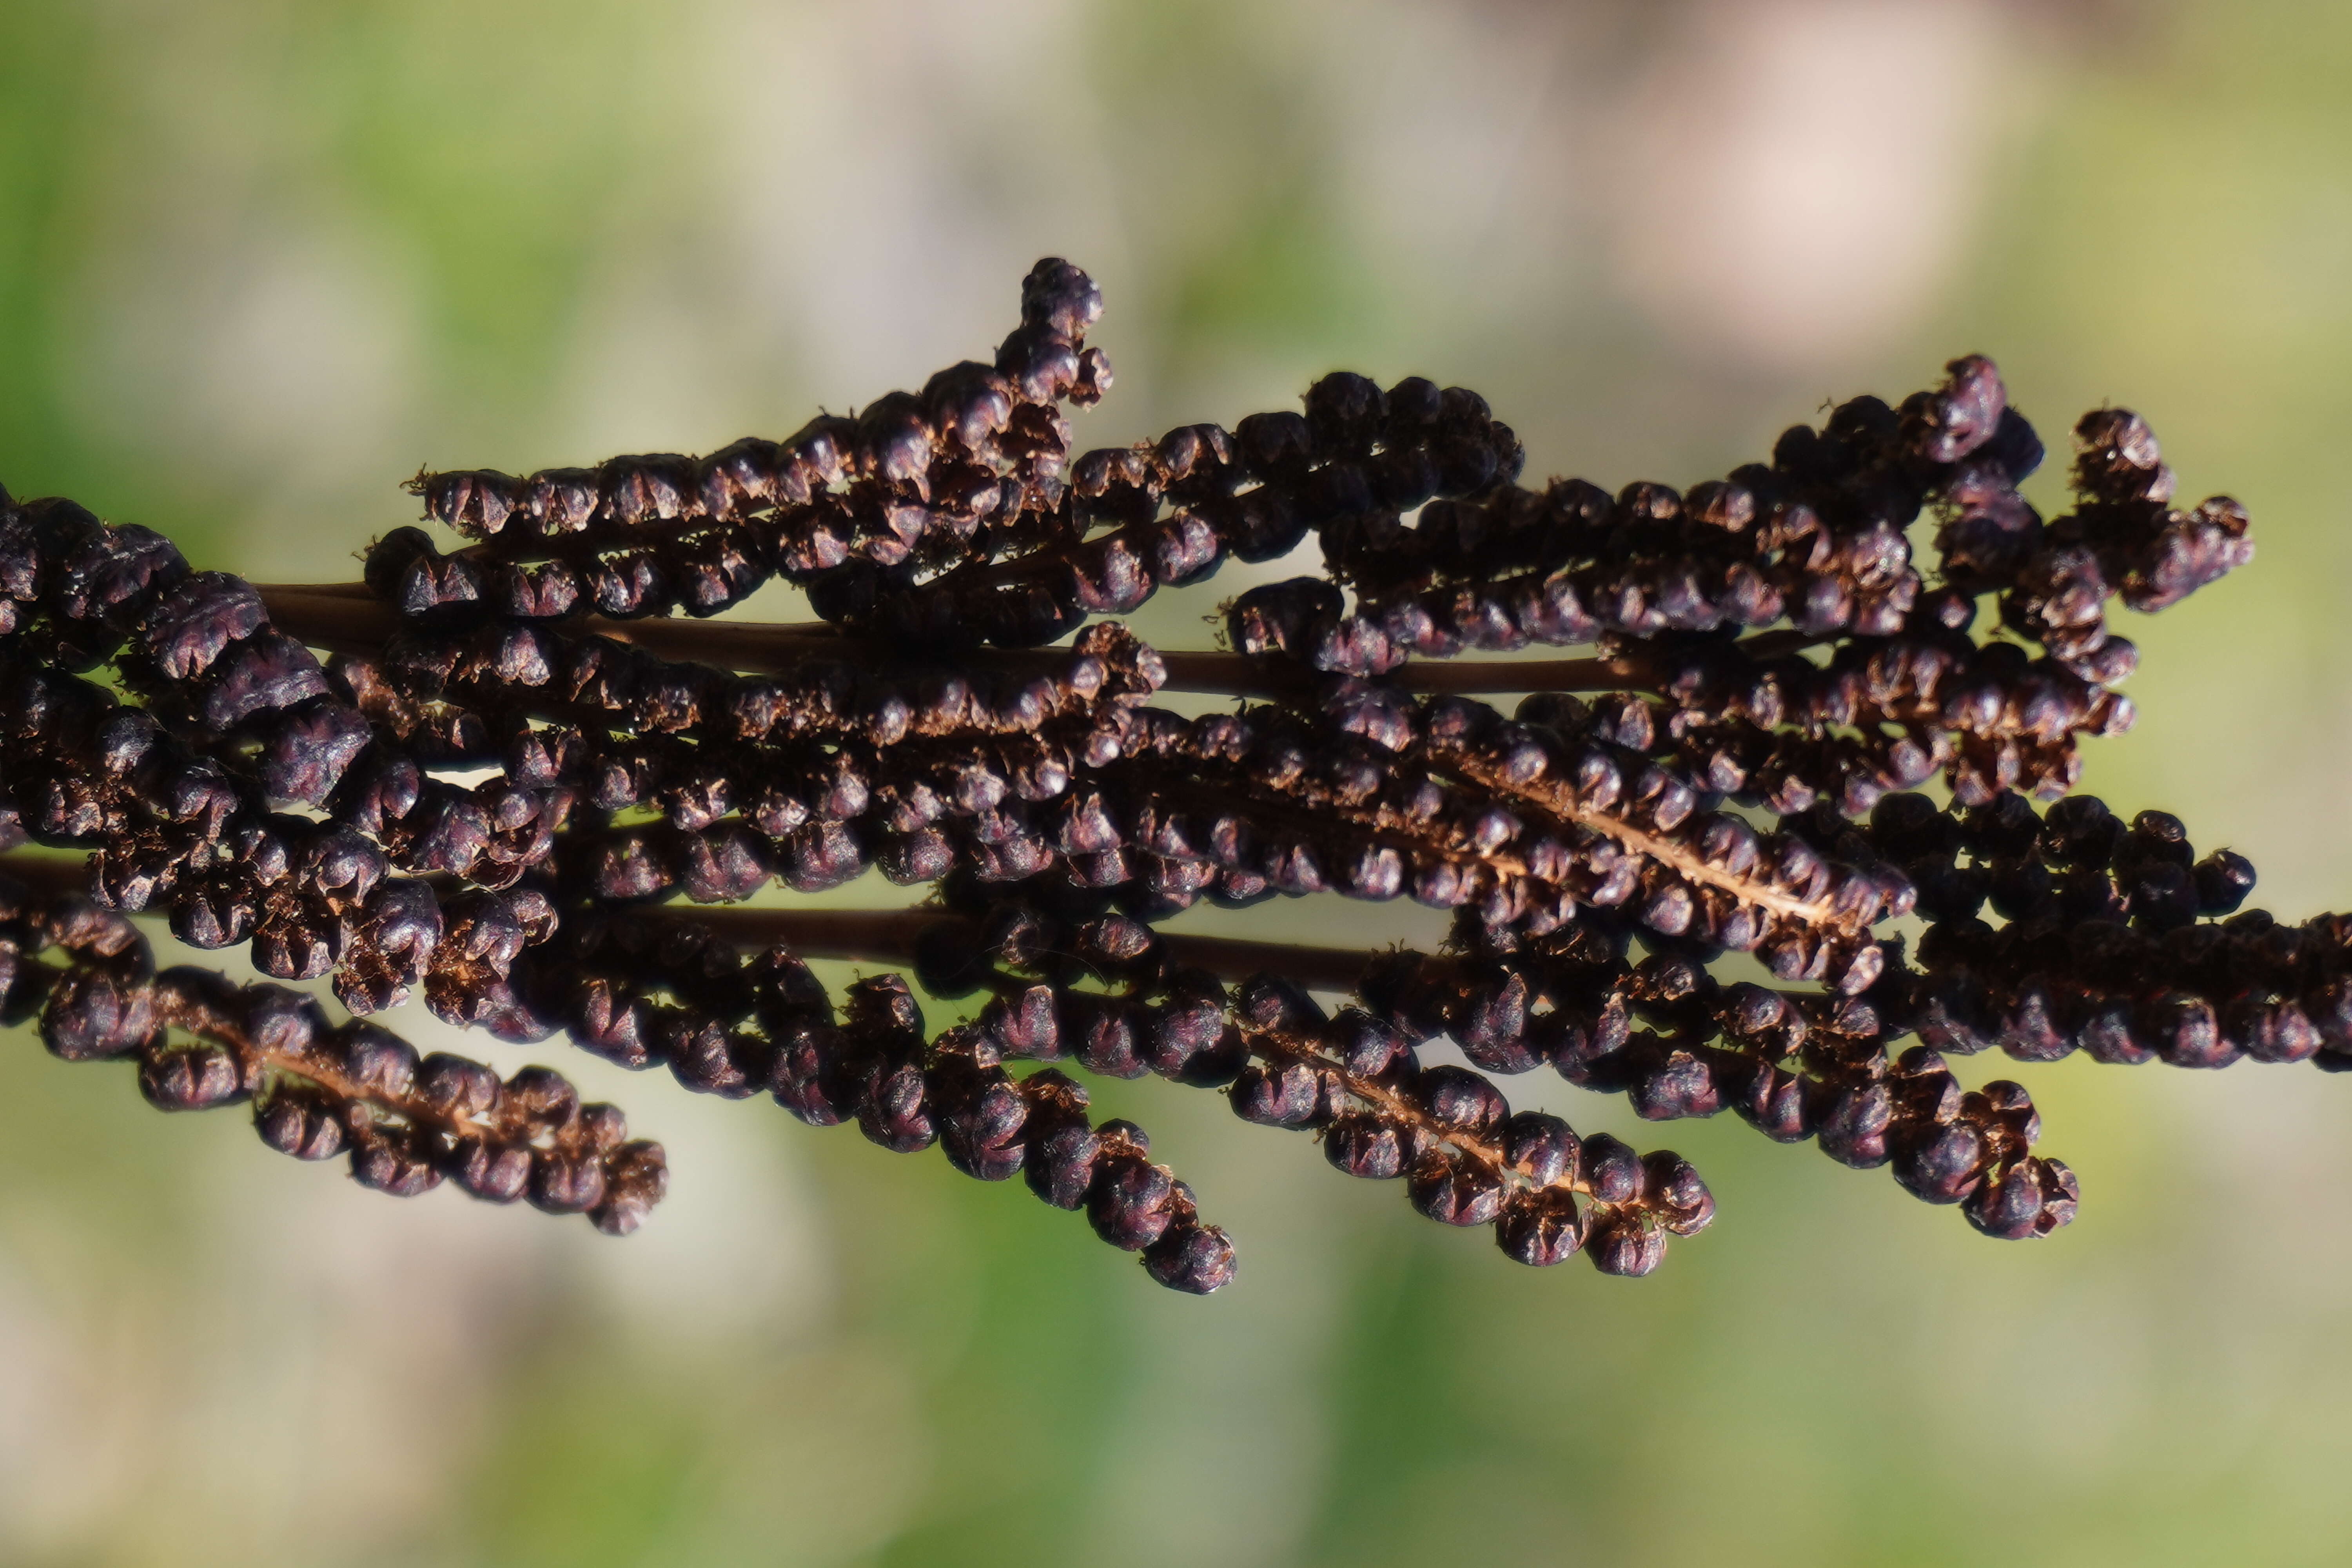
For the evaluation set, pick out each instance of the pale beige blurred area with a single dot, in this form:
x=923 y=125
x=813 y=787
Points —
x=279 y=255
x=1778 y=194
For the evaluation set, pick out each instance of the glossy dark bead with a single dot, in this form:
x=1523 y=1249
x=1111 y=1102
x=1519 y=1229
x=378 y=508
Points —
x=1362 y=1144
x=1620 y=1243
x=1539 y=1228
x=304 y=1124
x=1194 y=1258
x=1455 y=1190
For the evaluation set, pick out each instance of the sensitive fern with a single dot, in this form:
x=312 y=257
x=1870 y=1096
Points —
x=520 y=785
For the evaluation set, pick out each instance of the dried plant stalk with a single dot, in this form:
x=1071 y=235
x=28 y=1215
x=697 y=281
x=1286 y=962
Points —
x=520 y=783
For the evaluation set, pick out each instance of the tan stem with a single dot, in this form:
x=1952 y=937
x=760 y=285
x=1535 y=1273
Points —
x=196 y=1018
x=1396 y=1110
x=1558 y=799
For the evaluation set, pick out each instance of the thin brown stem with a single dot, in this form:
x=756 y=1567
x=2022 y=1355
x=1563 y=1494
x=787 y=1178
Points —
x=345 y=617
x=888 y=936
x=196 y=1018
x=1396 y=1109
x=325 y=618
x=55 y=875
x=1557 y=798
x=194 y=1013
x=319 y=590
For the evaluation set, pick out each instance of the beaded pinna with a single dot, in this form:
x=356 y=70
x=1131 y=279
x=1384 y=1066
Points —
x=520 y=783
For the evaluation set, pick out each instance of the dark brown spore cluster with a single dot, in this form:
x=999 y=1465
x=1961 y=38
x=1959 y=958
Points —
x=1826 y=693
x=317 y=1089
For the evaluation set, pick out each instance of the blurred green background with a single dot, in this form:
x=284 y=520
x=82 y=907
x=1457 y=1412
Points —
x=259 y=259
